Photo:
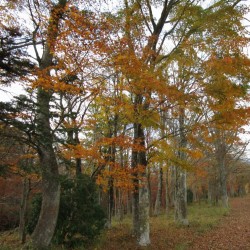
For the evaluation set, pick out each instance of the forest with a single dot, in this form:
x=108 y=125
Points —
x=122 y=115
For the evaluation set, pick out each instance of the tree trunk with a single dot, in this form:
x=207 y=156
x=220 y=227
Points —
x=180 y=185
x=221 y=155
x=135 y=199
x=110 y=201
x=45 y=227
x=213 y=190
x=149 y=193
x=158 y=202
x=167 y=193
x=181 y=197
x=141 y=198
x=46 y=224
x=172 y=186
x=144 y=238
x=23 y=209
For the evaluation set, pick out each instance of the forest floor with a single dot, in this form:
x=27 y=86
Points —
x=210 y=228
x=232 y=233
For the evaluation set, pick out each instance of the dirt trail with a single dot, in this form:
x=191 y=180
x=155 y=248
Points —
x=232 y=233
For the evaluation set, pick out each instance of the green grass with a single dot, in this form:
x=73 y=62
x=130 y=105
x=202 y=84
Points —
x=205 y=217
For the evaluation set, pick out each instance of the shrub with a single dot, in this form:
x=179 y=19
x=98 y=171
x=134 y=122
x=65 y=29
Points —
x=80 y=217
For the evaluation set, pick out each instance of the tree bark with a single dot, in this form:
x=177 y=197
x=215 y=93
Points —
x=167 y=193
x=45 y=227
x=180 y=185
x=141 y=198
x=181 y=197
x=158 y=202
x=46 y=224
x=23 y=209
x=221 y=155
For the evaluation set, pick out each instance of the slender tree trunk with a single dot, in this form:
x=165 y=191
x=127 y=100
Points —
x=158 y=202
x=149 y=193
x=180 y=186
x=23 y=209
x=172 y=186
x=135 y=197
x=110 y=201
x=167 y=193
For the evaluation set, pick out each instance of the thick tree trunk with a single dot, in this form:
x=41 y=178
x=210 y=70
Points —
x=221 y=155
x=213 y=196
x=45 y=227
x=144 y=238
x=158 y=201
x=46 y=224
x=135 y=203
x=141 y=194
x=181 y=197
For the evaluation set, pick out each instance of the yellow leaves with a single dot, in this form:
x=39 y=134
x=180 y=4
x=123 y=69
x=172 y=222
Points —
x=78 y=151
x=122 y=176
x=195 y=154
x=119 y=141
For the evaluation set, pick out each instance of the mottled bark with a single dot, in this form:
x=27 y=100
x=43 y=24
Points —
x=45 y=227
x=181 y=197
x=158 y=201
x=110 y=201
x=213 y=195
x=23 y=210
x=180 y=185
x=141 y=194
x=149 y=193
x=172 y=186
x=167 y=193
x=44 y=230
x=135 y=197
x=144 y=238
x=221 y=157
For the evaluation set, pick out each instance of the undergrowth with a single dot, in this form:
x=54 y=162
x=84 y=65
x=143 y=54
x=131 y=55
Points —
x=165 y=234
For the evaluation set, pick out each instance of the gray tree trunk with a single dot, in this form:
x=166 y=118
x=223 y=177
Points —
x=45 y=227
x=167 y=193
x=158 y=201
x=172 y=186
x=180 y=185
x=141 y=198
x=181 y=197
x=46 y=224
x=23 y=209
x=221 y=155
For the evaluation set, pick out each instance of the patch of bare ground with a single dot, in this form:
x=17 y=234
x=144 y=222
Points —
x=232 y=233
